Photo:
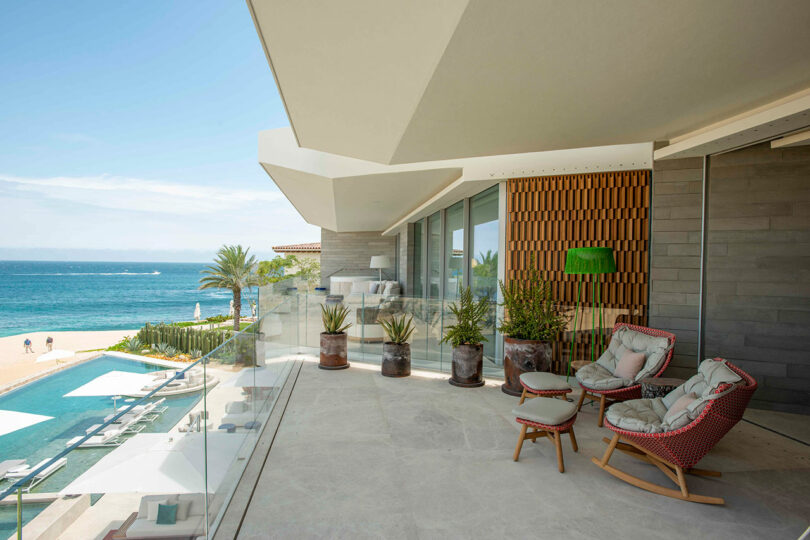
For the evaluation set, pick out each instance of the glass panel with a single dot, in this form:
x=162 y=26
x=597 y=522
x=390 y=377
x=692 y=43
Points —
x=454 y=250
x=417 y=278
x=484 y=256
x=434 y=255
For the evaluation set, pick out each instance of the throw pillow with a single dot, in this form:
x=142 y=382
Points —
x=373 y=287
x=629 y=365
x=679 y=406
x=167 y=514
x=359 y=287
x=152 y=509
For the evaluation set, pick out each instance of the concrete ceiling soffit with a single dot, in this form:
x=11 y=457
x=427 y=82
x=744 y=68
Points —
x=314 y=46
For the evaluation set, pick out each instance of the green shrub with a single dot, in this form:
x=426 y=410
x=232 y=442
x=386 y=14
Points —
x=469 y=316
x=530 y=312
x=183 y=339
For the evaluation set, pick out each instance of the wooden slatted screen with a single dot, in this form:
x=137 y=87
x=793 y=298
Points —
x=548 y=215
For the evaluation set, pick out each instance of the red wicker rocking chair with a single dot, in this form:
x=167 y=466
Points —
x=676 y=452
x=608 y=397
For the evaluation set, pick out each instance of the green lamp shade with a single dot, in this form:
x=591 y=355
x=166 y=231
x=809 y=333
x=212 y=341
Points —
x=590 y=260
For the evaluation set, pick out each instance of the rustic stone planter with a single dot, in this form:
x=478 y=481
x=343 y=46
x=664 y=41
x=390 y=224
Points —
x=468 y=366
x=333 y=351
x=396 y=360
x=520 y=356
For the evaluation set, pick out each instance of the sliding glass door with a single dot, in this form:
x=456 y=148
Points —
x=484 y=243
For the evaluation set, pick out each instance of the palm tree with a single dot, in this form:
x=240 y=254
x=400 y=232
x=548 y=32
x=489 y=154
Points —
x=234 y=270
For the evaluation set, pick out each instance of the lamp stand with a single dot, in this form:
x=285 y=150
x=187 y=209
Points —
x=574 y=333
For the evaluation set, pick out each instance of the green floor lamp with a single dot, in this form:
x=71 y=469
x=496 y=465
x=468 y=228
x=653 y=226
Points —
x=592 y=261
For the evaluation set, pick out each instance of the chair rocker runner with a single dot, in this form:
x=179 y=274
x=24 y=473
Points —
x=676 y=452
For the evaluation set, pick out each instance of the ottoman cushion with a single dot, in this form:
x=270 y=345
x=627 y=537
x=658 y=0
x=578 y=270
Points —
x=548 y=411
x=540 y=380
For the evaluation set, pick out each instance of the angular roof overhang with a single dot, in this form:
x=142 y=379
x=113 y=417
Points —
x=416 y=81
x=349 y=195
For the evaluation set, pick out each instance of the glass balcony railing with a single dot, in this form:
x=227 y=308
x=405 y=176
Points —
x=168 y=456
x=175 y=443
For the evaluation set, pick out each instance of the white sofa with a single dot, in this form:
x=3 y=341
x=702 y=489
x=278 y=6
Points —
x=365 y=295
x=191 y=527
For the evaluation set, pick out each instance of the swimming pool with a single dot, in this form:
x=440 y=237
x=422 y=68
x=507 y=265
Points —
x=71 y=416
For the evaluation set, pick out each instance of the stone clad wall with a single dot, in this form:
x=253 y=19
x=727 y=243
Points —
x=349 y=254
x=758 y=271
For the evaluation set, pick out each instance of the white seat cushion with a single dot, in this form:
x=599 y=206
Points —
x=642 y=415
x=626 y=340
x=647 y=415
x=598 y=377
x=548 y=411
x=540 y=380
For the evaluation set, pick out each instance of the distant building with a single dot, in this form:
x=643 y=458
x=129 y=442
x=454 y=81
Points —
x=310 y=251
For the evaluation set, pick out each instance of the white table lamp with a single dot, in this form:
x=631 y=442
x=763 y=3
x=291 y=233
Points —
x=380 y=262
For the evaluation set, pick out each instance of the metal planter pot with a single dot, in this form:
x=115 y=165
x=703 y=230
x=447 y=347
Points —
x=333 y=351
x=396 y=361
x=468 y=366
x=520 y=356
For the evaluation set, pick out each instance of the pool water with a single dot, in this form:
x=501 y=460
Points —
x=71 y=417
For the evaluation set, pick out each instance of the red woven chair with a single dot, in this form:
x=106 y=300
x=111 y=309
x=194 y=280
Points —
x=607 y=397
x=676 y=452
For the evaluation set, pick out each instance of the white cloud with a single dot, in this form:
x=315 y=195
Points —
x=117 y=192
x=111 y=212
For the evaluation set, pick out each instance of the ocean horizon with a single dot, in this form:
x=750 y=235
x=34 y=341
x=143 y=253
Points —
x=41 y=296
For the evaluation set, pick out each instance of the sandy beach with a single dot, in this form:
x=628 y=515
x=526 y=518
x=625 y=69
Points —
x=16 y=364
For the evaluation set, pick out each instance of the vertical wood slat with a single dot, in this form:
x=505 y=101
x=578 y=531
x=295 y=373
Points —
x=548 y=215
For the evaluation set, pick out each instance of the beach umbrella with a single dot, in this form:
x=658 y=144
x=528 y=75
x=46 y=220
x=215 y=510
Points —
x=230 y=310
x=161 y=463
x=197 y=312
x=56 y=354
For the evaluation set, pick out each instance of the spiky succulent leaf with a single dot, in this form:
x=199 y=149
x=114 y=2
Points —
x=334 y=318
x=398 y=330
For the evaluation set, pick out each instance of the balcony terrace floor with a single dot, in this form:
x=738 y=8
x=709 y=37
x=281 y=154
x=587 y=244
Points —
x=358 y=455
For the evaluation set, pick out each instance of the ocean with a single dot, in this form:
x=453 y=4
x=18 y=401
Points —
x=50 y=296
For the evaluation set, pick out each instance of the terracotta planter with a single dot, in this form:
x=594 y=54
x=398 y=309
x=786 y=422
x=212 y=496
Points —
x=520 y=356
x=333 y=351
x=468 y=366
x=396 y=360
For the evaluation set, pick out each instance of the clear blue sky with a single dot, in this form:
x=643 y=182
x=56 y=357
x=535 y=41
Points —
x=133 y=125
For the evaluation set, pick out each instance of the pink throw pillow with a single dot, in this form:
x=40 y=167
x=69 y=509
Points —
x=629 y=365
x=681 y=404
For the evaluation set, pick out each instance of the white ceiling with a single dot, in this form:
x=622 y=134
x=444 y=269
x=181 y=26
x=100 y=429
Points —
x=398 y=82
x=347 y=194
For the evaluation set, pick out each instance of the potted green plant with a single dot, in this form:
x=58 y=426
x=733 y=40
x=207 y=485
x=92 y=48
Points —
x=531 y=322
x=467 y=340
x=334 y=342
x=396 y=361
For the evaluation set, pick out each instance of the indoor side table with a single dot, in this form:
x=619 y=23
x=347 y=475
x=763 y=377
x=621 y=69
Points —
x=654 y=387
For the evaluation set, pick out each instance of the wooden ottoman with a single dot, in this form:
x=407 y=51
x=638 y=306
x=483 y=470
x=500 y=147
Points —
x=541 y=383
x=547 y=417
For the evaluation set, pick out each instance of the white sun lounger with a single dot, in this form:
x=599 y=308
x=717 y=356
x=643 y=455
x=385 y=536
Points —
x=9 y=464
x=21 y=472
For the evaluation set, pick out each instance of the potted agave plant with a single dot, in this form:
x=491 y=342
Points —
x=396 y=361
x=532 y=321
x=467 y=340
x=334 y=342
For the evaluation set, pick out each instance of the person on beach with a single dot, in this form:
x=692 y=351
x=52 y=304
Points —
x=49 y=343
x=28 y=347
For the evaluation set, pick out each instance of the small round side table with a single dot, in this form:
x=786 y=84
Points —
x=654 y=387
